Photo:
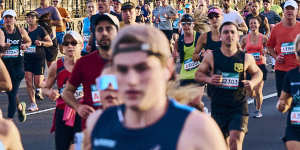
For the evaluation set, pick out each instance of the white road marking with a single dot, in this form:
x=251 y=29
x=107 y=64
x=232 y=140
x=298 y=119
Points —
x=45 y=110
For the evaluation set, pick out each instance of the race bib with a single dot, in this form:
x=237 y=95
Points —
x=78 y=93
x=295 y=116
x=256 y=56
x=190 y=64
x=31 y=49
x=13 y=52
x=86 y=37
x=162 y=18
x=230 y=80
x=95 y=95
x=287 y=48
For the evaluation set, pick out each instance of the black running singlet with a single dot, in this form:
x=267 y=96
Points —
x=210 y=44
x=110 y=134
x=230 y=97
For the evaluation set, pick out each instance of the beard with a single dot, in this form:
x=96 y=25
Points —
x=104 y=44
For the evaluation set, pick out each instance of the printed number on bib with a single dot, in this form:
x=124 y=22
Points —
x=95 y=95
x=190 y=64
x=256 y=56
x=230 y=80
x=287 y=48
x=13 y=52
x=295 y=116
x=31 y=49
x=78 y=93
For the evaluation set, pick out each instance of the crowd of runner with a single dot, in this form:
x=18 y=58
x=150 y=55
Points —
x=137 y=69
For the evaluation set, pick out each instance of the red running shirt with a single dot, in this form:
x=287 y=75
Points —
x=255 y=49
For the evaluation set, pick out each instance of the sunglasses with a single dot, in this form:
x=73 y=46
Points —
x=186 y=23
x=298 y=53
x=105 y=81
x=73 y=43
x=212 y=15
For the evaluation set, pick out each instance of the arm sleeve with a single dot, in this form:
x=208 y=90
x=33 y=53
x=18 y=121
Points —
x=287 y=83
x=55 y=15
x=76 y=74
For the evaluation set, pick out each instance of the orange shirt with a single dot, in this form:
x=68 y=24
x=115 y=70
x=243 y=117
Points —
x=64 y=14
x=282 y=40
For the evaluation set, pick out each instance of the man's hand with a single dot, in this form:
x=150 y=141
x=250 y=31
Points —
x=280 y=106
x=280 y=59
x=84 y=110
x=38 y=43
x=248 y=85
x=215 y=80
x=23 y=46
x=53 y=94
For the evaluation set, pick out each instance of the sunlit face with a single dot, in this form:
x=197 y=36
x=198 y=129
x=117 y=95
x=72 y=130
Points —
x=55 y=3
x=229 y=35
x=226 y=4
x=187 y=27
x=157 y=3
x=201 y=5
x=129 y=15
x=9 y=20
x=91 y=8
x=71 y=47
x=103 y=6
x=267 y=5
x=44 y=2
x=117 y=6
x=105 y=33
x=255 y=8
x=31 y=20
x=254 y=24
x=109 y=97
x=139 y=79
x=215 y=20
x=290 y=12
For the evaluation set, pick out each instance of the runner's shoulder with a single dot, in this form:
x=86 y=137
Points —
x=92 y=120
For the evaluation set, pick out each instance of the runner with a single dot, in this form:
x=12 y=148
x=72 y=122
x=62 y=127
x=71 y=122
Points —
x=117 y=4
x=233 y=16
x=290 y=101
x=5 y=81
x=34 y=57
x=16 y=41
x=128 y=14
x=200 y=17
x=273 y=18
x=211 y=39
x=55 y=21
x=225 y=69
x=65 y=122
x=264 y=27
x=254 y=44
x=89 y=67
x=139 y=17
x=166 y=14
x=141 y=59
x=91 y=6
x=145 y=11
x=66 y=18
x=280 y=44
x=155 y=13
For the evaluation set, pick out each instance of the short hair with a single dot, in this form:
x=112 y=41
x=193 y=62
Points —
x=227 y=23
x=257 y=18
x=297 y=41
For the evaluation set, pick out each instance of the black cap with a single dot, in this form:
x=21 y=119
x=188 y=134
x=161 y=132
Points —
x=186 y=18
x=268 y=1
x=32 y=13
x=128 y=5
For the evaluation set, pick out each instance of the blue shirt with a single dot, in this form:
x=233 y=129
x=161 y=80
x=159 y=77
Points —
x=86 y=32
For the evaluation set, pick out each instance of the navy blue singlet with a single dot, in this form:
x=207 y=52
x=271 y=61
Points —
x=110 y=134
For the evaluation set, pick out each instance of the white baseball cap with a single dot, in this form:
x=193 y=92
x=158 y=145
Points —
x=75 y=35
x=10 y=12
x=291 y=3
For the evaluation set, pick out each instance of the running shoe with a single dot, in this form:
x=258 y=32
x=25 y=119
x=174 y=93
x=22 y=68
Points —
x=33 y=107
x=38 y=94
x=257 y=114
x=250 y=100
x=22 y=112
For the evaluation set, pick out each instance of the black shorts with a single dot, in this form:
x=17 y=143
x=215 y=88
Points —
x=52 y=51
x=190 y=81
x=175 y=31
x=231 y=122
x=263 y=70
x=291 y=134
x=37 y=67
x=64 y=135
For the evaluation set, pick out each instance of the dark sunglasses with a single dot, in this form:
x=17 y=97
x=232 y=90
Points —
x=298 y=53
x=186 y=23
x=212 y=15
x=73 y=43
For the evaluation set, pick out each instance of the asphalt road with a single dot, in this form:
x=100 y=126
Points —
x=264 y=133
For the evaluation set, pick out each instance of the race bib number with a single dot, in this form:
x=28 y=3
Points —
x=230 y=80
x=287 y=48
x=31 y=49
x=256 y=56
x=162 y=18
x=78 y=93
x=190 y=64
x=95 y=95
x=86 y=37
x=13 y=52
x=295 y=116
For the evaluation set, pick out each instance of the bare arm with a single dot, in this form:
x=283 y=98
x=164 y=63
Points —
x=243 y=42
x=267 y=26
x=199 y=46
x=243 y=27
x=26 y=39
x=47 y=90
x=59 y=22
x=5 y=81
x=253 y=70
x=68 y=96
x=284 y=102
x=272 y=52
x=47 y=42
x=90 y=124
x=204 y=68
